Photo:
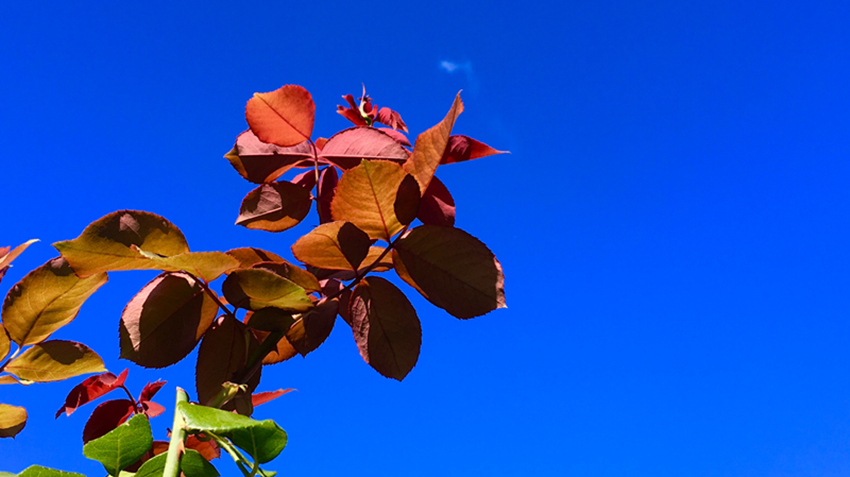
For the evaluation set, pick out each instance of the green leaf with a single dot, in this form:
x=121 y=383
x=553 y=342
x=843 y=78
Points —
x=55 y=360
x=192 y=464
x=7 y=474
x=366 y=197
x=106 y=244
x=12 y=420
x=255 y=289
x=263 y=442
x=39 y=471
x=203 y=418
x=296 y=275
x=153 y=467
x=333 y=246
x=45 y=300
x=452 y=269
x=121 y=446
x=165 y=320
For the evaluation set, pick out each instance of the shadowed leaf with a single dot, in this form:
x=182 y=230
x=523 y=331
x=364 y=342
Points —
x=122 y=446
x=264 y=397
x=192 y=464
x=297 y=275
x=248 y=256
x=105 y=245
x=263 y=442
x=106 y=417
x=406 y=204
x=270 y=319
x=452 y=269
x=385 y=326
x=12 y=420
x=274 y=207
x=366 y=197
x=283 y=350
x=437 y=206
x=283 y=117
x=55 y=360
x=464 y=148
x=333 y=287
x=5 y=343
x=391 y=118
x=206 y=265
x=223 y=352
x=39 y=471
x=313 y=328
x=334 y=246
x=430 y=146
x=45 y=300
x=165 y=320
x=207 y=448
x=261 y=162
x=255 y=289
x=327 y=189
x=90 y=389
x=347 y=148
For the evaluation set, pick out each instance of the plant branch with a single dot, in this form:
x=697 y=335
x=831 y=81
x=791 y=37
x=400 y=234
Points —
x=132 y=399
x=316 y=169
x=178 y=434
x=215 y=298
x=237 y=456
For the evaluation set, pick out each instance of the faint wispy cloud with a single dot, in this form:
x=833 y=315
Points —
x=466 y=67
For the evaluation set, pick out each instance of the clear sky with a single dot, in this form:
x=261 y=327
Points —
x=672 y=221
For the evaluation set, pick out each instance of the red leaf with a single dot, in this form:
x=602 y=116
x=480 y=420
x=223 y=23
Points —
x=151 y=409
x=327 y=189
x=207 y=448
x=385 y=326
x=351 y=113
x=347 y=148
x=150 y=390
x=283 y=117
x=264 y=397
x=261 y=162
x=106 y=417
x=391 y=118
x=398 y=136
x=90 y=389
x=306 y=179
x=274 y=207
x=437 y=206
x=464 y=148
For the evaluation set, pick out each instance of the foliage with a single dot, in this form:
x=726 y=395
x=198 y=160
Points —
x=369 y=187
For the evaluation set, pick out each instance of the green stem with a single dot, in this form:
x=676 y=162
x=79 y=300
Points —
x=237 y=456
x=178 y=434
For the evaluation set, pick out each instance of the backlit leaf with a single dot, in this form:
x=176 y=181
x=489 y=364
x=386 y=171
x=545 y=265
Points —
x=326 y=191
x=106 y=417
x=165 y=320
x=5 y=343
x=274 y=207
x=122 y=446
x=297 y=275
x=45 y=300
x=248 y=256
x=283 y=350
x=150 y=390
x=391 y=118
x=407 y=199
x=264 y=397
x=283 y=117
x=39 y=471
x=263 y=442
x=430 y=146
x=352 y=112
x=464 y=148
x=347 y=148
x=9 y=379
x=437 y=206
x=206 y=265
x=255 y=289
x=7 y=256
x=313 y=328
x=385 y=326
x=203 y=418
x=397 y=135
x=12 y=420
x=90 y=389
x=334 y=246
x=223 y=352
x=55 y=360
x=105 y=245
x=452 y=269
x=366 y=197
x=261 y=162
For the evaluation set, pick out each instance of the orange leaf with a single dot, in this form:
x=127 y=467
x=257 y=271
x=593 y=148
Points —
x=334 y=246
x=283 y=117
x=430 y=146
x=366 y=197
x=248 y=256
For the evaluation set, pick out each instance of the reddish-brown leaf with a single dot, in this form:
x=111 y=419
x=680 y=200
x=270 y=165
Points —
x=107 y=243
x=327 y=189
x=12 y=420
x=248 y=256
x=464 y=148
x=151 y=409
x=397 y=135
x=385 y=326
x=107 y=416
x=224 y=351
x=366 y=197
x=296 y=275
x=430 y=146
x=264 y=397
x=452 y=269
x=165 y=320
x=333 y=246
x=274 y=207
x=351 y=113
x=261 y=162
x=437 y=206
x=391 y=118
x=90 y=389
x=347 y=148
x=407 y=199
x=314 y=327
x=333 y=287
x=207 y=448
x=283 y=117
x=150 y=390
x=306 y=179
x=282 y=352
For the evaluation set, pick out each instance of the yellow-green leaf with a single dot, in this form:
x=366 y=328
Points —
x=55 y=360
x=5 y=343
x=45 y=300
x=255 y=289
x=106 y=244
x=366 y=197
x=248 y=256
x=205 y=265
x=430 y=145
x=12 y=420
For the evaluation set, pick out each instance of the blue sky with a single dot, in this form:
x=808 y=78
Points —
x=672 y=221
